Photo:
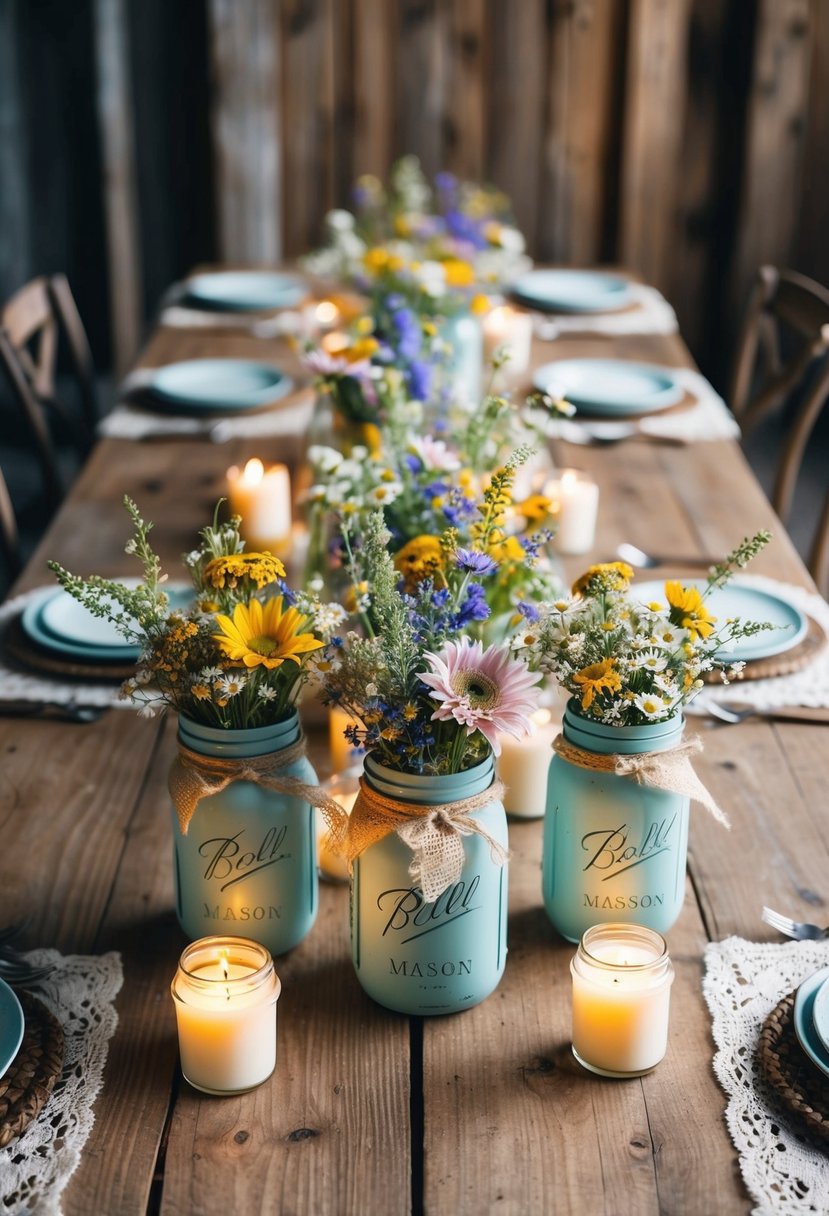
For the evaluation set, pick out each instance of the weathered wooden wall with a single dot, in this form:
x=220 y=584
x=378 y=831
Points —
x=685 y=139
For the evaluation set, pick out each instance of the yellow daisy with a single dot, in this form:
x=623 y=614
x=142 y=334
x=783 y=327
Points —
x=228 y=571
x=262 y=635
x=596 y=679
x=688 y=610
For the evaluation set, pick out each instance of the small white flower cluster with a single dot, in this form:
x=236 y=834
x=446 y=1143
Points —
x=351 y=483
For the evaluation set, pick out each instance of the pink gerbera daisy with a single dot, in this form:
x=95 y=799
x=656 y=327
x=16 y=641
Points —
x=483 y=690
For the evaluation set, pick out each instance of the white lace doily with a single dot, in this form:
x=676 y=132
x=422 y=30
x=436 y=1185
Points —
x=653 y=315
x=30 y=686
x=35 y=1168
x=785 y=1175
x=808 y=687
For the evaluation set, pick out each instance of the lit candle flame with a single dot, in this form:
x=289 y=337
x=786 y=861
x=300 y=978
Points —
x=254 y=472
x=326 y=312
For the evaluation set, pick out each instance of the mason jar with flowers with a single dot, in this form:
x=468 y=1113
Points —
x=427 y=838
x=242 y=788
x=621 y=779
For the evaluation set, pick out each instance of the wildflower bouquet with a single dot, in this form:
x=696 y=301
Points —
x=237 y=656
x=429 y=698
x=626 y=662
x=439 y=241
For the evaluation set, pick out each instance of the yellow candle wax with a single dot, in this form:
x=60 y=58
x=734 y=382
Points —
x=225 y=992
x=262 y=497
x=622 y=980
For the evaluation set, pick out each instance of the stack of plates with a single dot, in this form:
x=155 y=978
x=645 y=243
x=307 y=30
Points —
x=749 y=603
x=811 y=1018
x=206 y=386
x=11 y=1026
x=58 y=624
x=572 y=291
x=612 y=388
x=244 y=291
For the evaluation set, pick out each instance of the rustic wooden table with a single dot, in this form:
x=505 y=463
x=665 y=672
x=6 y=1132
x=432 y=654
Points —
x=369 y=1112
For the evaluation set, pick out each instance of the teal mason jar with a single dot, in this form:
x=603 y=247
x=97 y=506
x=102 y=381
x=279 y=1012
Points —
x=248 y=864
x=614 y=850
x=430 y=958
x=463 y=335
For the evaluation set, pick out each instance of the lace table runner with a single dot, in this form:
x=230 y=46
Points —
x=652 y=315
x=807 y=687
x=785 y=1175
x=35 y=1168
x=53 y=689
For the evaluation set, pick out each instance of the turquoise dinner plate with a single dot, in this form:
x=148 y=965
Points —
x=572 y=290
x=244 y=290
x=56 y=622
x=749 y=603
x=11 y=1026
x=611 y=387
x=804 y=1026
x=820 y=1013
x=206 y=385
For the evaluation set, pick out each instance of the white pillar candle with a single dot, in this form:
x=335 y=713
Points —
x=343 y=788
x=343 y=754
x=622 y=978
x=575 y=505
x=262 y=497
x=523 y=766
x=225 y=992
x=508 y=327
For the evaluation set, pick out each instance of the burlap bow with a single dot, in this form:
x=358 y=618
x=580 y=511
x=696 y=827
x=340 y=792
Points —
x=194 y=776
x=670 y=770
x=433 y=833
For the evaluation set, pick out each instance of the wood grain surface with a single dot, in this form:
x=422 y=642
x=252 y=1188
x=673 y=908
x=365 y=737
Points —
x=370 y=1112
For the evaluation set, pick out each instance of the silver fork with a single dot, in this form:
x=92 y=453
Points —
x=800 y=930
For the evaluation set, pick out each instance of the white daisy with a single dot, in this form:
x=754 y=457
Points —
x=650 y=705
x=649 y=660
x=231 y=686
x=266 y=693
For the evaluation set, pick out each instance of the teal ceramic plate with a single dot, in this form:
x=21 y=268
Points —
x=244 y=290
x=804 y=1026
x=207 y=385
x=612 y=387
x=11 y=1026
x=56 y=622
x=749 y=603
x=572 y=291
x=820 y=1013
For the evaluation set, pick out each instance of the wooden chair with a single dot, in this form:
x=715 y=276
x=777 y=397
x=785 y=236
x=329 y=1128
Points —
x=31 y=325
x=9 y=534
x=783 y=361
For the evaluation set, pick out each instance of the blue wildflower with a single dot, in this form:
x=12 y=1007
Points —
x=473 y=608
x=528 y=611
x=476 y=563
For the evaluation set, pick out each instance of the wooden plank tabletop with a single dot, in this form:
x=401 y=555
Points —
x=368 y=1111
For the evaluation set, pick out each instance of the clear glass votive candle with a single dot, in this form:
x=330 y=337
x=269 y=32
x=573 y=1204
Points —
x=622 y=978
x=225 y=992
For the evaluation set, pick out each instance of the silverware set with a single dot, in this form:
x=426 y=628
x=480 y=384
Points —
x=799 y=930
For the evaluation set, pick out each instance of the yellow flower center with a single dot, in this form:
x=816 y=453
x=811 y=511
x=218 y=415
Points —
x=263 y=645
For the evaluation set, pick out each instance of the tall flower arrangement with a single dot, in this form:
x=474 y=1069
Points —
x=428 y=697
x=237 y=656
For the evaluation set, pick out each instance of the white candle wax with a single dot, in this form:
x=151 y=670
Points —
x=225 y=992
x=575 y=505
x=508 y=327
x=523 y=766
x=343 y=754
x=263 y=499
x=622 y=980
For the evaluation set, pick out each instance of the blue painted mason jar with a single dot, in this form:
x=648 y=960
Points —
x=614 y=850
x=430 y=958
x=248 y=864
x=463 y=334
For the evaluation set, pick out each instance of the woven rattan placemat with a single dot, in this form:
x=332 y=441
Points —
x=800 y=1084
x=27 y=656
x=786 y=664
x=28 y=1082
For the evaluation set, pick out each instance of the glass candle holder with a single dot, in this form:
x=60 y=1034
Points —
x=574 y=499
x=225 y=992
x=622 y=978
x=343 y=788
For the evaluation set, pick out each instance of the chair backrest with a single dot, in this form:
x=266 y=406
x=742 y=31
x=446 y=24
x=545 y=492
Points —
x=36 y=317
x=783 y=358
x=9 y=534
